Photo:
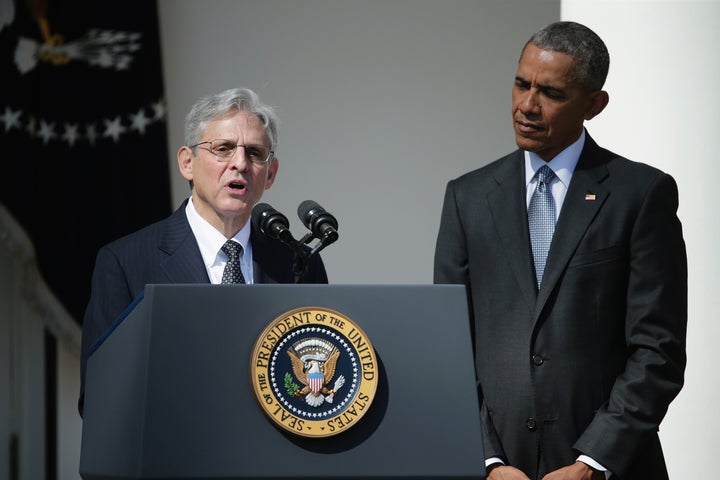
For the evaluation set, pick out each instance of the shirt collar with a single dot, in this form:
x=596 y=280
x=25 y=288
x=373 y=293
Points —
x=209 y=239
x=563 y=164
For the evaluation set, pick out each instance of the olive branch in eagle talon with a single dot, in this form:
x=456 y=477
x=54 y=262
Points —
x=290 y=386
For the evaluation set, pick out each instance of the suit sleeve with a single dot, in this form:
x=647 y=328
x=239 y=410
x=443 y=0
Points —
x=316 y=272
x=451 y=267
x=109 y=297
x=655 y=326
x=451 y=256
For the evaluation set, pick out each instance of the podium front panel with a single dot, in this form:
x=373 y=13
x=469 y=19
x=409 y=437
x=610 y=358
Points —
x=169 y=395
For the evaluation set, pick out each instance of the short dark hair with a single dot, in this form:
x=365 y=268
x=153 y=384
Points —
x=592 y=59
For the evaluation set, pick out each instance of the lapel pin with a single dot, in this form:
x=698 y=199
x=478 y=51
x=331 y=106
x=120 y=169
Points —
x=590 y=196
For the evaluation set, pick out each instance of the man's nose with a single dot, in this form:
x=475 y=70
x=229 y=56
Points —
x=531 y=102
x=239 y=159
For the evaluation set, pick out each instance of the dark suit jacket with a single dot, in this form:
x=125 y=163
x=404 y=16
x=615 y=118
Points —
x=591 y=362
x=167 y=252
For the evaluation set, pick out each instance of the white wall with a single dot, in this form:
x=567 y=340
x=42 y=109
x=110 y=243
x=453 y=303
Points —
x=382 y=101
x=663 y=111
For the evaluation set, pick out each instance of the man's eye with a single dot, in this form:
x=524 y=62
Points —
x=554 y=95
x=223 y=148
x=253 y=152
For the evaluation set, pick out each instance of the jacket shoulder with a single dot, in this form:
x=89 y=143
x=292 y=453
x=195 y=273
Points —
x=489 y=175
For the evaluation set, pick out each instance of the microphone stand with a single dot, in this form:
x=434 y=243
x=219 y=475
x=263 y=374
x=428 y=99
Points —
x=323 y=242
x=302 y=255
x=301 y=262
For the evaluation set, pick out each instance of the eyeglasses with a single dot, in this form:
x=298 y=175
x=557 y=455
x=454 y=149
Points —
x=225 y=149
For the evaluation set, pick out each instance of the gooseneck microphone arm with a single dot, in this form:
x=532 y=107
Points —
x=275 y=225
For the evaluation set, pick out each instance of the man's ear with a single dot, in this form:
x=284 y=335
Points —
x=184 y=159
x=271 y=173
x=598 y=102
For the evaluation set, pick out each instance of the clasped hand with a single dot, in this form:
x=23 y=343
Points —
x=576 y=471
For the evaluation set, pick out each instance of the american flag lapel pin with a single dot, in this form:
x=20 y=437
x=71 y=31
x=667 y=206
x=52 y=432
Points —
x=590 y=196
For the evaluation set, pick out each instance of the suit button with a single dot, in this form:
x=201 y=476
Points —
x=537 y=360
x=531 y=424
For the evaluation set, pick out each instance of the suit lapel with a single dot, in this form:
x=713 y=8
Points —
x=583 y=201
x=259 y=252
x=182 y=262
x=509 y=212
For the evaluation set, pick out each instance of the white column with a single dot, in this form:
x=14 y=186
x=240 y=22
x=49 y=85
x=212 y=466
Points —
x=663 y=110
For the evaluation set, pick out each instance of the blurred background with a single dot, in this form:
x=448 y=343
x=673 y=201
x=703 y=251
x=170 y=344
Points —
x=380 y=104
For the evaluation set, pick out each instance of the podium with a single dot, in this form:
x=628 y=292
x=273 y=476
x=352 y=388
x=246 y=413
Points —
x=169 y=396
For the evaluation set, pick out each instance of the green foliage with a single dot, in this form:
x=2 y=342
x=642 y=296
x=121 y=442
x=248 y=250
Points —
x=290 y=386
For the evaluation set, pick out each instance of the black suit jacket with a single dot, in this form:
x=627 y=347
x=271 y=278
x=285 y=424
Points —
x=167 y=252
x=591 y=362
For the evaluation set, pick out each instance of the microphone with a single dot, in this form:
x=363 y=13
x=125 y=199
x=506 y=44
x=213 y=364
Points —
x=275 y=225
x=272 y=223
x=322 y=224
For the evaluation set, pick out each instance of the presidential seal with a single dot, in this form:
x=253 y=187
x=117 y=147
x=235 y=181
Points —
x=314 y=372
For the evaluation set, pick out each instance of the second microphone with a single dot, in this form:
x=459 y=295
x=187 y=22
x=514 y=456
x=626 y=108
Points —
x=321 y=223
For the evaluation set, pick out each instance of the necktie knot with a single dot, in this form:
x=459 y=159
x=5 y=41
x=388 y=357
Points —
x=544 y=174
x=232 y=272
x=232 y=249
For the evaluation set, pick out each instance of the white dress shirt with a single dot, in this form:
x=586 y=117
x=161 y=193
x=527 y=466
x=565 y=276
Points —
x=563 y=165
x=210 y=241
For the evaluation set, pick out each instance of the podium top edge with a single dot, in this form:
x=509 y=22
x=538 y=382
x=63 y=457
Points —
x=314 y=285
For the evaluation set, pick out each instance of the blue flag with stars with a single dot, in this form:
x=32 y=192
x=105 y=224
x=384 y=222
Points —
x=83 y=129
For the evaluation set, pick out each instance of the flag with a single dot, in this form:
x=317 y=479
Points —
x=83 y=130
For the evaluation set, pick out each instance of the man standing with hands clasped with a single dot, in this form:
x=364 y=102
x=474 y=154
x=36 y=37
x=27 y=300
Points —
x=576 y=271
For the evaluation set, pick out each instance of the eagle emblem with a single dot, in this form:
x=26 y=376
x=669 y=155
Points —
x=313 y=364
x=314 y=372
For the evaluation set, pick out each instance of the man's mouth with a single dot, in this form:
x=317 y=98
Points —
x=236 y=186
x=525 y=127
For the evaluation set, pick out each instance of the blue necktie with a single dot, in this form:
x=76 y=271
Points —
x=232 y=272
x=541 y=220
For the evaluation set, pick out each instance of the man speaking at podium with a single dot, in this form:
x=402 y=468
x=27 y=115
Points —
x=229 y=160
